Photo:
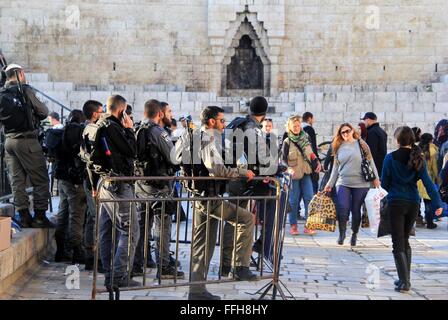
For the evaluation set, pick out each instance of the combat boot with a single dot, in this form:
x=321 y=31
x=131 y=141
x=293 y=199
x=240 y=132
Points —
x=41 y=221
x=26 y=220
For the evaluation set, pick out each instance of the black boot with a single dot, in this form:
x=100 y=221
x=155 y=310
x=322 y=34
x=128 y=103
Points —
x=342 y=232
x=41 y=220
x=26 y=219
x=401 y=262
x=409 y=261
x=353 y=239
x=79 y=256
x=60 y=255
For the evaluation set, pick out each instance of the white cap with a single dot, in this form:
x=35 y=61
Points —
x=12 y=66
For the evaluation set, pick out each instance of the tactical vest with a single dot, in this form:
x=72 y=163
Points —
x=15 y=114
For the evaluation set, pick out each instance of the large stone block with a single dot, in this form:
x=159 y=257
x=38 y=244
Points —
x=387 y=97
x=334 y=107
x=347 y=97
x=423 y=107
x=313 y=106
x=299 y=107
x=297 y=96
x=434 y=117
x=413 y=116
x=79 y=95
x=384 y=107
x=393 y=117
x=43 y=86
x=329 y=97
x=174 y=97
x=440 y=87
x=403 y=97
x=442 y=96
x=37 y=77
x=364 y=97
x=405 y=106
x=361 y=107
x=427 y=97
x=441 y=107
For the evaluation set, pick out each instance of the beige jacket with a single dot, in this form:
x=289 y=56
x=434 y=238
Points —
x=292 y=157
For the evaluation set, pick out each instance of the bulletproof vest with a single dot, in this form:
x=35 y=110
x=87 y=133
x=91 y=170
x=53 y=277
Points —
x=244 y=124
x=192 y=169
x=116 y=162
x=68 y=163
x=14 y=113
x=149 y=159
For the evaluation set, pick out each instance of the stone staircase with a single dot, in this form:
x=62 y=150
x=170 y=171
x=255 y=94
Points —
x=414 y=105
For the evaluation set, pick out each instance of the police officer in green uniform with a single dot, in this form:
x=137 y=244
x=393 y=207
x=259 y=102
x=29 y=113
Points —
x=20 y=114
x=208 y=214
x=154 y=148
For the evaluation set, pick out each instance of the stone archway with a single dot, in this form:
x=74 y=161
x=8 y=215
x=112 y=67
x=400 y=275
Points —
x=245 y=70
x=247 y=60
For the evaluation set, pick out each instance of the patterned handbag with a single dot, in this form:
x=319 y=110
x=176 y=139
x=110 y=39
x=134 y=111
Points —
x=366 y=168
x=321 y=213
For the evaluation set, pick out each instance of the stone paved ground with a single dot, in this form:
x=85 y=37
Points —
x=314 y=267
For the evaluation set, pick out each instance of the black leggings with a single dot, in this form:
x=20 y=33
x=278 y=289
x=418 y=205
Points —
x=402 y=218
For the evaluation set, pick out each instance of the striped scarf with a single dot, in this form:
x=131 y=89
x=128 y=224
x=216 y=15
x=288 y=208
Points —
x=301 y=139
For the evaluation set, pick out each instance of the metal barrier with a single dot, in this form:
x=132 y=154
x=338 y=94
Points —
x=276 y=239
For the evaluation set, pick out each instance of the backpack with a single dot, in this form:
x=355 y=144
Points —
x=237 y=159
x=94 y=150
x=52 y=143
x=441 y=133
x=71 y=143
x=143 y=161
x=14 y=113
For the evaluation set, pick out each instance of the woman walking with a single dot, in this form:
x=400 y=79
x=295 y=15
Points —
x=351 y=185
x=298 y=156
x=431 y=154
x=402 y=168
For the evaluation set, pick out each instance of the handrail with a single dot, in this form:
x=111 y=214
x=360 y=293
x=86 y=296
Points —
x=51 y=99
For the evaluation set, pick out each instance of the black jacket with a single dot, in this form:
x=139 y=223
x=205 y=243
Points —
x=312 y=137
x=377 y=141
x=68 y=164
x=121 y=142
x=14 y=111
x=154 y=151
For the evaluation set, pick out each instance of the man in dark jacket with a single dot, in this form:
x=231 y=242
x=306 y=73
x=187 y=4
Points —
x=376 y=139
x=307 y=125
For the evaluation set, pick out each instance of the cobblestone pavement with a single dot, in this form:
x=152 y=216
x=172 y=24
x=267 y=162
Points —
x=314 y=267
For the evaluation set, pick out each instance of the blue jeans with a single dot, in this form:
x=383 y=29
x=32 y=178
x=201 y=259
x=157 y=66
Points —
x=350 y=199
x=302 y=188
x=126 y=227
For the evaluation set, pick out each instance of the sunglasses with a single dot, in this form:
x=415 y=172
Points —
x=221 y=120
x=346 y=132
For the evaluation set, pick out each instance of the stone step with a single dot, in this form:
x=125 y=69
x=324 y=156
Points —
x=6 y=210
x=26 y=250
x=37 y=77
x=440 y=87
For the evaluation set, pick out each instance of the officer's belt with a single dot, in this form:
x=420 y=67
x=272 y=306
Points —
x=26 y=136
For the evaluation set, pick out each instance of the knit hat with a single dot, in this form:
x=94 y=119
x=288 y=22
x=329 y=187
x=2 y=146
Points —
x=258 y=106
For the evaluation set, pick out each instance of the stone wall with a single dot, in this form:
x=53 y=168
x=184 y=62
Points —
x=186 y=43
x=421 y=106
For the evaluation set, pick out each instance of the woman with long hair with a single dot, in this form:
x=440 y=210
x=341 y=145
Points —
x=298 y=156
x=401 y=171
x=351 y=186
x=431 y=154
x=363 y=130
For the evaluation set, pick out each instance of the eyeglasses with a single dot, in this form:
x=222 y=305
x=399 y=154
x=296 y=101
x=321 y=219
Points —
x=221 y=120
x=346 y=132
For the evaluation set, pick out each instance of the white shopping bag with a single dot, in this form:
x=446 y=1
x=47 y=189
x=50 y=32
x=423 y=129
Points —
x=373 y=205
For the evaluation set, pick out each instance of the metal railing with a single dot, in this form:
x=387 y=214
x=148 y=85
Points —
x=276 y=239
